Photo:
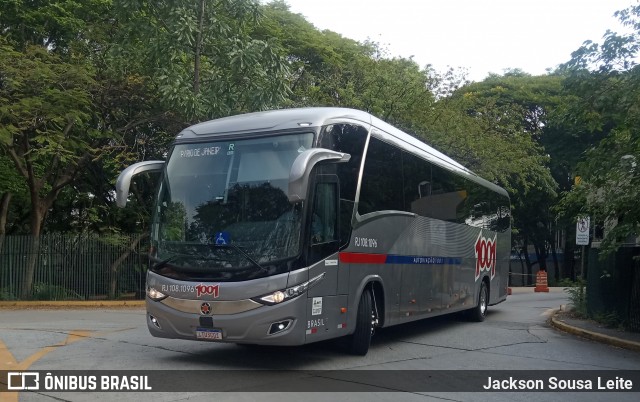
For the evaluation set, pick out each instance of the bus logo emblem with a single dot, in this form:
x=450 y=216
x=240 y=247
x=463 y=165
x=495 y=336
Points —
x=205 y=308
x=485 y=251
x=212 y=290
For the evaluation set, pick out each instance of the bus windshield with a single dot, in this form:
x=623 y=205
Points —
x=222 y=208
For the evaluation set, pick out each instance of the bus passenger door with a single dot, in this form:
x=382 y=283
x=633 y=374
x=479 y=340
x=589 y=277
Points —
x=323 y=235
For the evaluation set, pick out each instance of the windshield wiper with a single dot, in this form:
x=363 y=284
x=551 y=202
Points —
x=241 y=251
x=162 y=263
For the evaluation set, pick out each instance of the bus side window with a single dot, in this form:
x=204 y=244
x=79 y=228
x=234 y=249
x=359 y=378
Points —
x=381 y=188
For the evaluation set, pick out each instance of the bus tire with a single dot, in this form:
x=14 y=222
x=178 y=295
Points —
x=360 y=340
x=479 y=312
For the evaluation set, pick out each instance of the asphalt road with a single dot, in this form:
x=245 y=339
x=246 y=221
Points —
x=515 y=336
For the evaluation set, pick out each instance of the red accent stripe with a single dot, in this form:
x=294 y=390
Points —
x=363 y=258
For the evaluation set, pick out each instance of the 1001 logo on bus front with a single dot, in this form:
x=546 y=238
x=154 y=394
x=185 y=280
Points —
x=211 y=290
x=485 y=250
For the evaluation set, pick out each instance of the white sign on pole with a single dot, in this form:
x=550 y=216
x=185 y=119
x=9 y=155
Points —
x=582 y=231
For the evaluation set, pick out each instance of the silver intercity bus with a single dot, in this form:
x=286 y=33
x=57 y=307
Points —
x=294 y=226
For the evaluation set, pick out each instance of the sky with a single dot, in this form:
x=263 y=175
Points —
x=483 y=36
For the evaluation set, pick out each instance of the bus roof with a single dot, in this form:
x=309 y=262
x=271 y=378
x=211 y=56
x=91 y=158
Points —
x=273 y=120
x=289 y=119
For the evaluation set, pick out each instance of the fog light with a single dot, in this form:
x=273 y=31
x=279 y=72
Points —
x=279 y=326
x=154 y=321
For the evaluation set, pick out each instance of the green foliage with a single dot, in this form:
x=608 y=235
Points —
x=607 y=81
x=617 y=52
x=395 y=90
x=578 y=297
x=329 y=70
x=610 y=319
x=609 y=189
x=88 y=87
x=201 y=57
x=323 y=66
x=45 y=112
x=9 y=180
x=7 y=295
x=53 y=25
x=494 y=128
x=506 y=117
x=565 y=282
x=44 y=99
x=46 y=291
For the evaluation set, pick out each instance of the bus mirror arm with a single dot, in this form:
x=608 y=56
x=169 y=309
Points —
x=124 y=179
x=302 y=166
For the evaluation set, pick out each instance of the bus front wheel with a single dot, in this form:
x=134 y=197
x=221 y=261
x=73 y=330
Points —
x=361 y=338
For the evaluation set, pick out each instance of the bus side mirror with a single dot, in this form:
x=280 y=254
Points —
x=124 y=179
x=302 y=166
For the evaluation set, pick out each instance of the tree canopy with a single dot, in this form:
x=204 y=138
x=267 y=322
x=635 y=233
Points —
x=606 y=81
x=89 y=86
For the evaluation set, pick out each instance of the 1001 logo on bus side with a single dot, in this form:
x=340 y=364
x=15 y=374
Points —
x=485 y=250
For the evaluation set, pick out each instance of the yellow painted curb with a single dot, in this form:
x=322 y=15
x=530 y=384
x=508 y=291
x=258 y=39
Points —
x=594 y=336
x=72 y=303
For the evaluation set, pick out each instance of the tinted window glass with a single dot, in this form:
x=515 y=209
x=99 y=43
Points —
x=486 y=209
x=216 y=194
x=382 y=179
x=417 y=182
x=348 y=138
x=434 y=192
x=324 y=217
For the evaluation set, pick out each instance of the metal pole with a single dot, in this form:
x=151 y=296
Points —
x=582 y=262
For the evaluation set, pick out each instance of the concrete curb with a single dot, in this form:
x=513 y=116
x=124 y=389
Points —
x=72 y=304
x=594 y=336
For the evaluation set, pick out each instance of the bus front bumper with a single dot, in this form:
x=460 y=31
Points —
x=261 y=324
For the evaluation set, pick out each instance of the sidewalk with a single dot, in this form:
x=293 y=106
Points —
x=564 y=320
x=72 y=304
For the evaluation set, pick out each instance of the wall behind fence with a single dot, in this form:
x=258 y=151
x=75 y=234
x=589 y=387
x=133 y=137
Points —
x=75 y=267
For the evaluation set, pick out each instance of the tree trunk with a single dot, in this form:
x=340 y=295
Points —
x=525 y=250
x=541 y=255
x=569 y=260
x=4 y=211
x=522 y=268
x=556 y=267
x=37 y=218
x=118 y=262
x=198 y=49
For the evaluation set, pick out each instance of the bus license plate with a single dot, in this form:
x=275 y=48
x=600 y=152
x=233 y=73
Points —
x=208 y=334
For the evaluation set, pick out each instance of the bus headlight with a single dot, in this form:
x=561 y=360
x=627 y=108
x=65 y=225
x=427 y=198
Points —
x=289 y=293
x=155 y=294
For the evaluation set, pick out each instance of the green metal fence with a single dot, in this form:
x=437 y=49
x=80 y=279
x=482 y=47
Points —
x=613 y=287
x=73 y=267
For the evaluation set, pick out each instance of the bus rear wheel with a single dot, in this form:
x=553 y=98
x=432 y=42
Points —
x=479 y=313
x=360 y=340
